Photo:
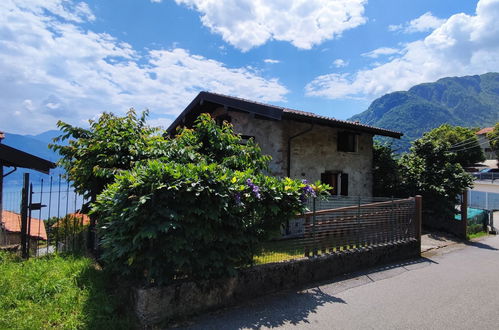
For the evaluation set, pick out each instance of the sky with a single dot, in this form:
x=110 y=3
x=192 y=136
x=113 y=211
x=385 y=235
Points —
x=70 y=60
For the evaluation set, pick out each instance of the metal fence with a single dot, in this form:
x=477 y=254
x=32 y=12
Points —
x=486 y=176
x=54 y=222
x=483 y=200
x=342 y=223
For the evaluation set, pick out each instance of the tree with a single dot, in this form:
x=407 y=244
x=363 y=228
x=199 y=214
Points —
x=200 y=211
x=461 y=140
x=111 y=144
x=494 y=139
x=386 y=174
x=432 y=171
x=94 y=156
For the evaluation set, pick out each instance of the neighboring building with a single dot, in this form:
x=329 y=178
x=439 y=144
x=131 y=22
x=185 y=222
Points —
x=483 y=141
x=74 y=219
x=302 y=144
x=11 y=233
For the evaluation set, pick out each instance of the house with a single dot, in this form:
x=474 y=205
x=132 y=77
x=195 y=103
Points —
x=483 y=141
x=74 y=219
x=302 y=144
x=11 y=233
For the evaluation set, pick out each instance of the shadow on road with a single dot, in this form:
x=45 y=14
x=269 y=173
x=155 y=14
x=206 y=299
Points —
x=272 y=311
x=481 y=245
x=292 y=308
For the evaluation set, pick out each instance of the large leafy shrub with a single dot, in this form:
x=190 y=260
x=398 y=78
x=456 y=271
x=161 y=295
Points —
x=432 y=171
x=93 y=156
x=198 y=212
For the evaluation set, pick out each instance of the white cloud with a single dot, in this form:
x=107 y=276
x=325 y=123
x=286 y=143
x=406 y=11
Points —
x=381 y=52
x=163 y=123
x=340 y=63
x=271 y=61
x=304 y=23
x=156 y=1
x=51 y=69
x=424 y=23
x=463 y=45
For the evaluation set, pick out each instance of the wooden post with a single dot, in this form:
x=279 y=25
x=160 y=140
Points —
x=464 y=215
x=419 y=218
x=24 y=217
x=3 y=233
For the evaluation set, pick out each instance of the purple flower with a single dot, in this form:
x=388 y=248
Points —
x=237 y=198
x=308 y=190
x=304 y=181
x=254 y=188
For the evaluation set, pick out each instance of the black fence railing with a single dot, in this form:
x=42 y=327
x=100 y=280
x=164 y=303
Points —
x=53 y=219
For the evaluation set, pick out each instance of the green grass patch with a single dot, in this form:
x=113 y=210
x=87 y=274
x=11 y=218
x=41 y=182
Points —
x=477 y=235
x=61 y=292
x=275 y=251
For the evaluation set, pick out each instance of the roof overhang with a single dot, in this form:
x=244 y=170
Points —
x=16 y=158
x=208 y=102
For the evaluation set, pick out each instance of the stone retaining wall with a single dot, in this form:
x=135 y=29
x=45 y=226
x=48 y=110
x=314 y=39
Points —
x=153 y=305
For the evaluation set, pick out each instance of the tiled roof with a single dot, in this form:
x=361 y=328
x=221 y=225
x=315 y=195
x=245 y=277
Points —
x=12 y=222
x=80 y=218
x=485 y=130
x=277 y=112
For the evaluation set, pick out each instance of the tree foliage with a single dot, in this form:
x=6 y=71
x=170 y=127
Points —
x=111 y=144
x=432 y=171
x=199 y=211
x=461 y=140
x=494 y=139
x=386 y=173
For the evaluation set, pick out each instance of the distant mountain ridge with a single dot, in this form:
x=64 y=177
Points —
x=470 y=101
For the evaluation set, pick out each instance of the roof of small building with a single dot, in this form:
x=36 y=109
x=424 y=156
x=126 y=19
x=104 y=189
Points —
x=11 y=221
x=81 y=219
x=208 y=100
x=485 y=130
x=17 y=158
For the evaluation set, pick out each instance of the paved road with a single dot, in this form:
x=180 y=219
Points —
x=456 y=288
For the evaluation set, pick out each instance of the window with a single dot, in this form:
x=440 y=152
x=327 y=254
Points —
x=246 y=138
x=220 y=119
x=338 y=182
x=347 y=142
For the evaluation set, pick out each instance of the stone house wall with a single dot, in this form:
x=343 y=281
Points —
x=312 y=153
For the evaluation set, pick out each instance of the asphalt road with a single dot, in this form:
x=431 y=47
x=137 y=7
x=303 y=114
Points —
x=456 y=288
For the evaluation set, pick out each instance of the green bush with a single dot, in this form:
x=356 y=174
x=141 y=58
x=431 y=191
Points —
x=200 y=212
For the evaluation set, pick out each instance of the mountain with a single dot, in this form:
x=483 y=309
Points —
x=471 y=101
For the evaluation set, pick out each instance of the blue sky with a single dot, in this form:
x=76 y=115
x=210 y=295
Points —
x=69 y=60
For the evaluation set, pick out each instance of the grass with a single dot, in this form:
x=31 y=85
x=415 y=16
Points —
x=57 y=292
x=275 y=251
x=282 y=250
x=477 y=235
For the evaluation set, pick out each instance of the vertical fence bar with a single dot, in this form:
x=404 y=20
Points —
x=29 y=216
x=49 y=229
x=464 y=215
x=313 y=227
x=58 y=230
x=39 y=218
x=418 y=218
x=357 y=244
x=24 y=216
x=66 y=220
x=75 y=221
